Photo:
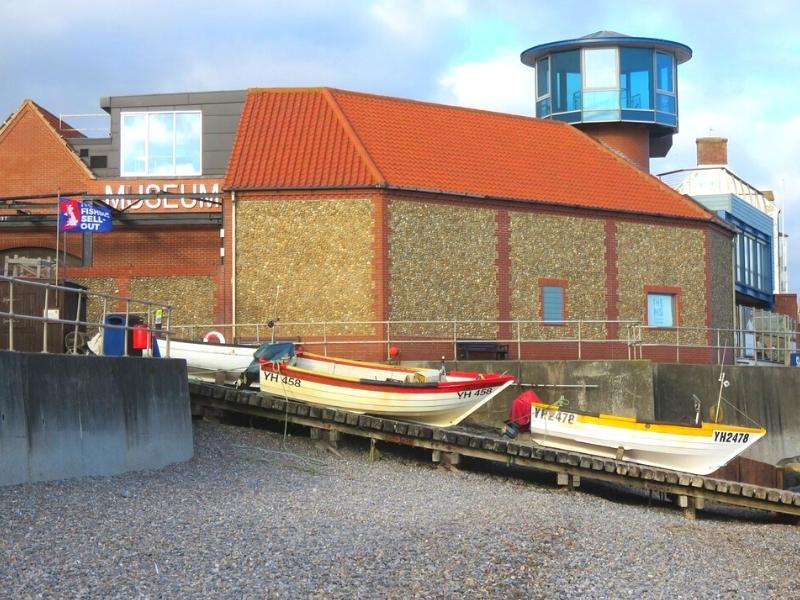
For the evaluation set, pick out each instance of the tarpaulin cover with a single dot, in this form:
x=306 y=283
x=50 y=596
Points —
x=268 y=352
x=521 y=409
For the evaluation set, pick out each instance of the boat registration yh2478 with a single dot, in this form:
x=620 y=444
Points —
x=701 y=449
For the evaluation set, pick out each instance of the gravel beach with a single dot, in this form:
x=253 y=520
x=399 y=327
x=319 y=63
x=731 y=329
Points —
x=255 y=516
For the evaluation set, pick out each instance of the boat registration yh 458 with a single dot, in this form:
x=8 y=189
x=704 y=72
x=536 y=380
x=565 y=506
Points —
x=429 y=396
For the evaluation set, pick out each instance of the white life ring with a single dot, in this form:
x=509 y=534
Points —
x=214 y=337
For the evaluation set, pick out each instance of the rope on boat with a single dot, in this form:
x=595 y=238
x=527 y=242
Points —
x=276 y=368
x=753 y=421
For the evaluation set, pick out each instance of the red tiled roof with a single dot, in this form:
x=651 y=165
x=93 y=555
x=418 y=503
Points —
x=316 y=137
x=62 y=128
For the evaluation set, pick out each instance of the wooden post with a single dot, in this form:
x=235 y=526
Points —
x=374 y=454
x=446 y=459
x=332 y=437
x=690 y=505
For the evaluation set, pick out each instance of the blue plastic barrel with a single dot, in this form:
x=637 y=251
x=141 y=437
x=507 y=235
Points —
x=114 y=335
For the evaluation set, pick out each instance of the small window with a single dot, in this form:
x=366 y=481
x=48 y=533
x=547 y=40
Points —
x=161 y=143
x=552 y=303
x=661 y=310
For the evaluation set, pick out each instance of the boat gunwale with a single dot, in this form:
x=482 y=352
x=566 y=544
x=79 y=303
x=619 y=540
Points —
x=622 y=422
x=401 y=386
x=203 y=344
x=361 y=363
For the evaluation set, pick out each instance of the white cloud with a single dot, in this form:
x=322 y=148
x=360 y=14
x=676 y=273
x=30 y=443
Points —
x=501 y=83
x=414 y=20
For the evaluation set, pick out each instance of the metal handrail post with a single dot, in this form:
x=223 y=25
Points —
x=519 y=341
x=388 y=337
x=719 y=358
x=169 y=327
x=103 y=323
x=75 y=326
x=455 y=340
x=325 y=336
x=678 y=345
x=46 y=323
x=579 y=340
x=125 y=328
x=11 y=318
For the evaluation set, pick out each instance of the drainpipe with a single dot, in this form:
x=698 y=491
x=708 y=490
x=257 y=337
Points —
x=233 y=262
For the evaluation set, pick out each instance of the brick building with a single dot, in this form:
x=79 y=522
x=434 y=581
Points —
x=343 y=206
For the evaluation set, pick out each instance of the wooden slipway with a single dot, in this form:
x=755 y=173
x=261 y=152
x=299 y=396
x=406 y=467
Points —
x=689 y=491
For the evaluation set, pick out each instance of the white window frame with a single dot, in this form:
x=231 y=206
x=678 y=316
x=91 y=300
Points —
x=147 y=113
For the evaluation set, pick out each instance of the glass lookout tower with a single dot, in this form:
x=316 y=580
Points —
x=620 y=89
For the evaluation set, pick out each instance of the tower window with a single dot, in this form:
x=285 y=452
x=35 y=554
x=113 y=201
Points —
x=600 y=68
x=543 y=77
x=665 y=66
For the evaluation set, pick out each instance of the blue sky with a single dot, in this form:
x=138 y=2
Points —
x=743 y=82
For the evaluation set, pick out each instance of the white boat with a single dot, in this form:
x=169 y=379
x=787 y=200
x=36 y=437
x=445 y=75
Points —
x=427 y=396
x=699 y=449
x=204 y=360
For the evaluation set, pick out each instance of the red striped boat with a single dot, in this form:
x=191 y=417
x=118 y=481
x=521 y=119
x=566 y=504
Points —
x=428 y=396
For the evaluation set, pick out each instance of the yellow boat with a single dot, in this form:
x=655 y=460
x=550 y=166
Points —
x=699 y=449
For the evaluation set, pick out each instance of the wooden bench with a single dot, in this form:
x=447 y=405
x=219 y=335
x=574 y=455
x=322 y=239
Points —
x=481 y=350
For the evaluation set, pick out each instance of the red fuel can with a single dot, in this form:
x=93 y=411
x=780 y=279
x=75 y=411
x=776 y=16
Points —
x=141 y=337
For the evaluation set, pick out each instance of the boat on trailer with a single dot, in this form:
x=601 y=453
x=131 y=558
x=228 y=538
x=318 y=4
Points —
x=422 y=395
x=700 y=449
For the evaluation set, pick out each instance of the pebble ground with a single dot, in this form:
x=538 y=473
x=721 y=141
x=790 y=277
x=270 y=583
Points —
x=255 y=515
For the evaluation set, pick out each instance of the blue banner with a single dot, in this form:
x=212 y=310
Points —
x=83 y=217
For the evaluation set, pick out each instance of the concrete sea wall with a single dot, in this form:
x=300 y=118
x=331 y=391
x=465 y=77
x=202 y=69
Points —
x=68 y=416
x=770 y=396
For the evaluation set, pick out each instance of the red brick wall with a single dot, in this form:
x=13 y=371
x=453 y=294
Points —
x=786 y=304
x=35 y=160
x=632 y=140
x=712 y=151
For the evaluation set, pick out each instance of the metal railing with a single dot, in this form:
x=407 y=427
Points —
x=12 y=317
x=606 y=338
x=517 y=333
x=754 y=346
x=518 y=338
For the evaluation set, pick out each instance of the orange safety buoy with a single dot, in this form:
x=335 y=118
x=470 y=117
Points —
x=214 y=337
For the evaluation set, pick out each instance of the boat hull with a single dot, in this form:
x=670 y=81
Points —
x=204 y=360
x=436 y=403
x=700 y=450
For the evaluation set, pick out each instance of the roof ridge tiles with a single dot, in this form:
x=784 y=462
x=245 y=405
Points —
x=649 y=177
x=334 y=91
x=354 y=137
x=48 y=119
x=327 y=137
